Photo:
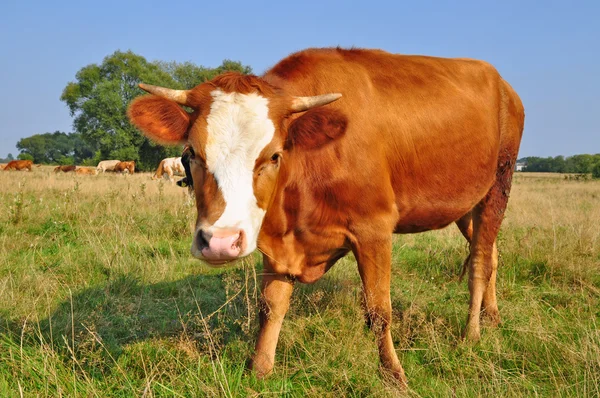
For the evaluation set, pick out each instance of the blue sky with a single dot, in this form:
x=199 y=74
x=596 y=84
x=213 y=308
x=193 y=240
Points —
x=549 y=51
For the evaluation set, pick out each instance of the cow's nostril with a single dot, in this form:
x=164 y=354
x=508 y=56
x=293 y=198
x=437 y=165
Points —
x=239 y=241
x=202 y=240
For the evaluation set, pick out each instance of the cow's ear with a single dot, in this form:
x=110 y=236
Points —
x=160 y=119
x=316 y=128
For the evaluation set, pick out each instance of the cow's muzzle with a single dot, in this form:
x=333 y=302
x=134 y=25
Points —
x=219 y=246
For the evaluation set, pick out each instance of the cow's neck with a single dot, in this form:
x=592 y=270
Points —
x=303 y=233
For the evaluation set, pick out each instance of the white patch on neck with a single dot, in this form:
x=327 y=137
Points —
x=238 y=128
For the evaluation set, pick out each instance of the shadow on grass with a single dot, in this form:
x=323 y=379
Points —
x=211 y=310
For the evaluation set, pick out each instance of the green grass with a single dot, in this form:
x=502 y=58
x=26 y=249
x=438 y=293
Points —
x=99 y=296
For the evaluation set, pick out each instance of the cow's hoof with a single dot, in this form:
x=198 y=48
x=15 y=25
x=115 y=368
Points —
x=472 y=334
x=491 y=317
x=396 y=376
x=261 y=366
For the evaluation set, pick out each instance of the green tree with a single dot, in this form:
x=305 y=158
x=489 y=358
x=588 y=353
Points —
x=99 y=97
x=25 y=156
x=596 y=170
x=580 y=164
x=57 y=147
x=34 y=147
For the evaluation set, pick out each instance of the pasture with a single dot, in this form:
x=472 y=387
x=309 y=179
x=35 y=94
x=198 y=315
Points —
x=99 y=296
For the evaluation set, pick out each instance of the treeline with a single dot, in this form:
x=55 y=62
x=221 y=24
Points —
x=580 y=164
x=98 y=100
x=56 y=148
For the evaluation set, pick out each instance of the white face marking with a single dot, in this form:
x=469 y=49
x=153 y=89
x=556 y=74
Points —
x=238 y=130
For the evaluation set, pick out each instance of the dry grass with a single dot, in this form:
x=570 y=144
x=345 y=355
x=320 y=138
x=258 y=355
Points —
x=99 y=297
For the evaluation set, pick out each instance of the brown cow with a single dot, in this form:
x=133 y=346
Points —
x=85 y=171
x=415 y=144
x=122 y=167
x=19 y=165
x=65 y=168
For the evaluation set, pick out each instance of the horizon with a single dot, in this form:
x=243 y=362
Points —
x=546 y=53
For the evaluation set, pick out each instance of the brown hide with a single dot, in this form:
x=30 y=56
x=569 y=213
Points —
x=125 y=166
x=420 y=150
x=65 y=168
x=85 y=171
x=19 y=165
x=414 y=144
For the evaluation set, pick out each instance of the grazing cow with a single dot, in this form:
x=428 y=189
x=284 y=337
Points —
x=19 y=165
x=125 y=167
x=65 y=168
x=106 y=165
x=86 y=171
x=170 y=167
x=415 y=143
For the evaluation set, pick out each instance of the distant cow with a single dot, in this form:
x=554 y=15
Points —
x=107 y=165
x=19 y=165
x=65 y=168
x=170 y=167
x=85 y=171
x=123 y=167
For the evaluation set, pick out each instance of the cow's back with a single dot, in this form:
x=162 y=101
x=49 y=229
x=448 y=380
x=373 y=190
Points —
x=422 y=134
x=107 y=165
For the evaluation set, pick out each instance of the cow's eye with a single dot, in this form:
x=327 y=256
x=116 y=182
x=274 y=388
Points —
x=275 y=158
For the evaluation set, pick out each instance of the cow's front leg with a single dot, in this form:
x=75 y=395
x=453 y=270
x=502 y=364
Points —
x=374 y=265
x=275 y=301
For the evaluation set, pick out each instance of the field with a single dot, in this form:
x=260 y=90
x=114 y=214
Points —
x=99 y=296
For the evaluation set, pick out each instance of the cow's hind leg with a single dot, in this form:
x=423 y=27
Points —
x=465 y=225
x=483 y=262
x=374 y=265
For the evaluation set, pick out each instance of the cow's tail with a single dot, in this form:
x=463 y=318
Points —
x=512 y=120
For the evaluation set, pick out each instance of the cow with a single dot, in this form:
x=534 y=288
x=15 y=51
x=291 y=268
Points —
x=170 y=167
x=125 y=167
x=19 y=165
x=333 y=151
x=65 y=168
x=85 y=171
x=106 y=165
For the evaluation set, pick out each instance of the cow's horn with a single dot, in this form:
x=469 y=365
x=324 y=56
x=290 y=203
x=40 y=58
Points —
x=300 y=104
x=179 y=96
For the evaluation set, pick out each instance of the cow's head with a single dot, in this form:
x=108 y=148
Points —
x=236 y=134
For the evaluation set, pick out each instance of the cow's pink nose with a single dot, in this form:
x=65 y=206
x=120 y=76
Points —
x=222 y=245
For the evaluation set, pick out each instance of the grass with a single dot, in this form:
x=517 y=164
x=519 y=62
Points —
x=100 y=297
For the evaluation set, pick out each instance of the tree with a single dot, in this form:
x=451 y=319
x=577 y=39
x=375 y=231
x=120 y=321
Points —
x=34 y=147
x=99 y=97
x=596 y=170
x=25 y=156
x=188 y=75
x=10 y=157
x=57 y=147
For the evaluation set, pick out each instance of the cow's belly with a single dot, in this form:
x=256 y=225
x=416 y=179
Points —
x=423 y=206
x=426 y=219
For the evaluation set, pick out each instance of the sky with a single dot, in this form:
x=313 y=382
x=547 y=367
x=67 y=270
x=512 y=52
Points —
x=548 y=51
